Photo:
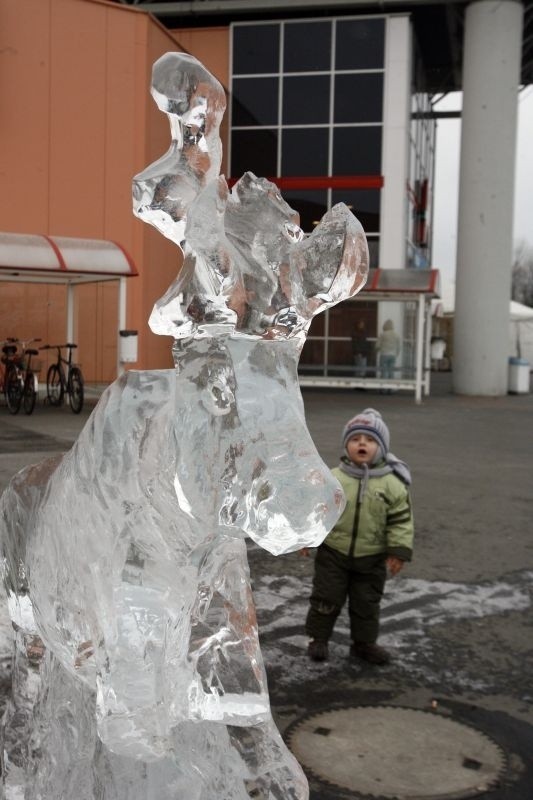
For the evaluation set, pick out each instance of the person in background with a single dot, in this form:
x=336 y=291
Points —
x=373 y=535
x=360 y=349
x=388 y=348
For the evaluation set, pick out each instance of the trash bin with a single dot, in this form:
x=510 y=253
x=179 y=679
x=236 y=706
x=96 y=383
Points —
x=128 y=346
x=518 y=375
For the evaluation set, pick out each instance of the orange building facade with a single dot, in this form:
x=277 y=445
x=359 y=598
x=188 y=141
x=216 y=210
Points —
x=77 y=123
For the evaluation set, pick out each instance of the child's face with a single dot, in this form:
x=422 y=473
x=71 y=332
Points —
x=362 y=449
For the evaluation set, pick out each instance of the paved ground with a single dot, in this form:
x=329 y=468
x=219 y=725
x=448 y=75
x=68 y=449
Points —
x=458 y=619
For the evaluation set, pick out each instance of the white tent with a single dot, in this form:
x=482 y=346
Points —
x=520 y=321
x=521 y=333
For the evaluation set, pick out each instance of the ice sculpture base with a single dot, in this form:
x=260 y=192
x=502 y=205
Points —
x=138 y=673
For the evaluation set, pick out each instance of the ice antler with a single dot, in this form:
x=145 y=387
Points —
x=194 y=102
x=247 y=264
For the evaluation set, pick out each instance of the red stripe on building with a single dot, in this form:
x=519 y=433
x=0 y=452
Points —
x=325 y=182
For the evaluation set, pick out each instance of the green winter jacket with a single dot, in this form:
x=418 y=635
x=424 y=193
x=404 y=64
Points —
x=381 y=523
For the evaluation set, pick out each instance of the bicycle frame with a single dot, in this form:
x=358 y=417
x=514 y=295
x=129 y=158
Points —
x=19 y=382
x=9 y=349
x=64 y=377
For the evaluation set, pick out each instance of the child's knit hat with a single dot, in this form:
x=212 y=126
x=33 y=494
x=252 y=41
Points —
x=370 y=422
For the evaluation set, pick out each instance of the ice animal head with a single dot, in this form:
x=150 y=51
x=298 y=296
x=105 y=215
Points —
x=248 y=266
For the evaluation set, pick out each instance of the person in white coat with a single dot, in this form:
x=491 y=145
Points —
x=388 y=348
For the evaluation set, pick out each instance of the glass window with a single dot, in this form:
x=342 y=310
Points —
x=305 y=151
x=364 y=203
x=255 y=49
x=360 y=44
x=359 y=97
x=318 y=325
x=339 y=356
x=311 y=206
x=357 y=151
x=256 y=151
x=312 y=353
x=341 y=321
x=307 y=46
x=373 y=251
x=306 y=99
x=255 y=101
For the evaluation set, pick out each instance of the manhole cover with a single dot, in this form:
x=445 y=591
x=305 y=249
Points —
x=397 y=753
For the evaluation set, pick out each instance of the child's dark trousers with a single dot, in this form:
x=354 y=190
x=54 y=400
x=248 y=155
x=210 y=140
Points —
x=338 y=577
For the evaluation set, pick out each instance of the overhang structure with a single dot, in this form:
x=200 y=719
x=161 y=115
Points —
x=37 y=258
x=419 y=286
x=438 y=26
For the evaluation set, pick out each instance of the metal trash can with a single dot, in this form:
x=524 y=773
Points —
x=128 y=346
x=518 y=376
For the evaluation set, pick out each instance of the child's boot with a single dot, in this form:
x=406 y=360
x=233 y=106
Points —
x=317 y=650
x=370 y=652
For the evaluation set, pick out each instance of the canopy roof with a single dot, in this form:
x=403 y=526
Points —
x=37 y=258
x=401 y=284
x=438 y=26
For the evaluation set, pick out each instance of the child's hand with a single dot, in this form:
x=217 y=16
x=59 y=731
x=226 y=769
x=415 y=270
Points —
x=394 y=565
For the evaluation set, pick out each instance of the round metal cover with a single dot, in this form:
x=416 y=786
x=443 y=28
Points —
x=399 y=753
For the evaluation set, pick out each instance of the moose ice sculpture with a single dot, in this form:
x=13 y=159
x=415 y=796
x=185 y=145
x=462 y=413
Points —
x=137 y=672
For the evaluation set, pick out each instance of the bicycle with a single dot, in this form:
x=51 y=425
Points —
x=20 y=381
x=57 y=383
x=10 y=382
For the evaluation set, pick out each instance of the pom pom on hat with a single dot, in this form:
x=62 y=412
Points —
x=371 y=423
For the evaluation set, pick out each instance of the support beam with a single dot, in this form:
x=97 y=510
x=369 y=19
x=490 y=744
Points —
x=491 y=74
x=70 y=312
x=206 y=7
x=122 y=308
x=420 y=348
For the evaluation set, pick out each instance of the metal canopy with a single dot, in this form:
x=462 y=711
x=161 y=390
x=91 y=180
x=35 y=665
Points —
x=402 y=281
x=37 y=258
x=420 y=286
x=438 y=25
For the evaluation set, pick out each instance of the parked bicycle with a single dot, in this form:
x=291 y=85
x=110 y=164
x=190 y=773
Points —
x=64 y=377
x=20 y=380
x=10 y=383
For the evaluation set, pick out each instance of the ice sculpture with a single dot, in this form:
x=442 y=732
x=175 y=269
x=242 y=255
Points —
x=137 y=672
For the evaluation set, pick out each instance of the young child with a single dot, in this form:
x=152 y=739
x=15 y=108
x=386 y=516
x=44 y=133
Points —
x=374 y=533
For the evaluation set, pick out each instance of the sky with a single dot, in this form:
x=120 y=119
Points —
x=447 y=181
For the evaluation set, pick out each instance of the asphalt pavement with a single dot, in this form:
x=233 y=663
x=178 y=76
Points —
x=457 y=620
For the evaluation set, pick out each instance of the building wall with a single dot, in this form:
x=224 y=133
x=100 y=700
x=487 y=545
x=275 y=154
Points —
x=77 y=123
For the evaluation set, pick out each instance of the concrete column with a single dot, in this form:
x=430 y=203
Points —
x=395 y=159
x=395 y=148
x=491 y=73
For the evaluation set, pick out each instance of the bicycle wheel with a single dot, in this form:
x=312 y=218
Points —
x=54 y=385
x=14 y=388
x=75 y=395
x=29 y=394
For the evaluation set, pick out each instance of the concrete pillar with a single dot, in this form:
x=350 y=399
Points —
x=395 y=159
x=491 y=73
x=395 y=148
